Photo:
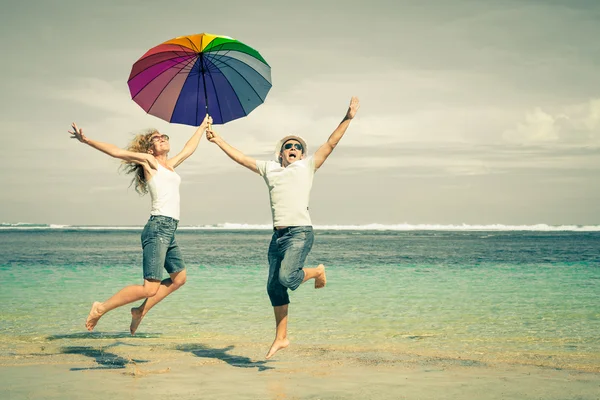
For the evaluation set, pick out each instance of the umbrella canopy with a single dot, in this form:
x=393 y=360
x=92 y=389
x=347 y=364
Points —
x=184 y=78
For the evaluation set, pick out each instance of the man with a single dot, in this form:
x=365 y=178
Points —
x=289 y=181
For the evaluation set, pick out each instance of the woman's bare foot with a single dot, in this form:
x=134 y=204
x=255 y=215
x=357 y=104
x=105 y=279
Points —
x=321 y=279
x=277 y=345
x=136 y=318
x=93 y=316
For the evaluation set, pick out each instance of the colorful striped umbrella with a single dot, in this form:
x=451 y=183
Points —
x=184 y=78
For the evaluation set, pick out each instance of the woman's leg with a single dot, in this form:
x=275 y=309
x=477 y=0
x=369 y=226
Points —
x=175 y=266
x=124 y=296
x=167 y=287
x=154 y=251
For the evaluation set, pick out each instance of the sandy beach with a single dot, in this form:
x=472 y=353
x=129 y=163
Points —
x=137 y=368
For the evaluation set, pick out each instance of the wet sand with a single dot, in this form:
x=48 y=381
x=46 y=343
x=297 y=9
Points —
x=121 y=367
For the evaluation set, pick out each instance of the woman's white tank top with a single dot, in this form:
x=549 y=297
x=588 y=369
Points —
x=164 y=192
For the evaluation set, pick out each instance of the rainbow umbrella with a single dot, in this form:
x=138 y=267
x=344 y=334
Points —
x=184 y=78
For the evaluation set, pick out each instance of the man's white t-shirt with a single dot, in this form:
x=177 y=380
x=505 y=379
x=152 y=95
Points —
x=289 y=190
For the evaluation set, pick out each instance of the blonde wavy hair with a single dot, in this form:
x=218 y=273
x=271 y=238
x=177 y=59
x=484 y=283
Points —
x=139 y=144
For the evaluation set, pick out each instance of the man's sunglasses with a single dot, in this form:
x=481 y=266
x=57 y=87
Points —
x=159 y=137
x=297 y=146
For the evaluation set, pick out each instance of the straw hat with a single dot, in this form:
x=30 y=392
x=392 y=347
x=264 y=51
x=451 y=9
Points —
x=285 y=139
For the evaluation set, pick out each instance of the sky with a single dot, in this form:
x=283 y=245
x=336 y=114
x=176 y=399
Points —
x=472 y=111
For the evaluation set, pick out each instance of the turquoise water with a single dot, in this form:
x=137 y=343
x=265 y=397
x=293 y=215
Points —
x=523 y=297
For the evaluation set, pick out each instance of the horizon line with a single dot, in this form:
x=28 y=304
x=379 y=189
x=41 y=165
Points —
x=360 y=227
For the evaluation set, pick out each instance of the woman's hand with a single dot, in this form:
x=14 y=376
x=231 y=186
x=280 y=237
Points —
x=206 y=122
x=77 y=133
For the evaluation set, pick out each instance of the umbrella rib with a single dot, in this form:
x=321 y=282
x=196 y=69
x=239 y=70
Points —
x=153 y=79
x=188 y=62
x=165 y=86
x=216 y=94
x=245 y=80
x=175 y=55
x=219 y=58
x=197 y=50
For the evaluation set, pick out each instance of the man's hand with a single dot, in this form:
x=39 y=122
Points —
x=77 y=133
x=353 y=108
x=212 y=136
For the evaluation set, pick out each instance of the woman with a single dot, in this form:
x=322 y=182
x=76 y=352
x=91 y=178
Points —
x=147 y=159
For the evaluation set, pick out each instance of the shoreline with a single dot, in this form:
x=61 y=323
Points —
x=16 y=351
x=122 y=368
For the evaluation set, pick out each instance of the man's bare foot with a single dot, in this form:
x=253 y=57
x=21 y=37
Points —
x=136 y=318
x=321 y=279
x=277 y=345
x=93 y=316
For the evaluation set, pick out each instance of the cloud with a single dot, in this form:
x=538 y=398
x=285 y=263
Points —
x=111 y=97
x=538 y=127
x=418 y=165
x=437 y=140
x=585 y=117
x=571 y=125
x=99 y=189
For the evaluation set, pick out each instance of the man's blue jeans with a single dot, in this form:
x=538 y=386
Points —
x=287 y=253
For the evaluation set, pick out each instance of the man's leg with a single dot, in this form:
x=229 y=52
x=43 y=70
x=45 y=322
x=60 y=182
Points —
x=318 y=274
x=281 y=312
x=167 y=286
x=281 y=341
x=279 y=299
x=294 y=248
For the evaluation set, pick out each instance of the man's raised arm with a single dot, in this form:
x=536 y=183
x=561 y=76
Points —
x=232 y=152
x=325 y=150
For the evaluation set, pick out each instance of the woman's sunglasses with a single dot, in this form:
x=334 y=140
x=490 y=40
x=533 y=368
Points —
x=297 y=146
x=159 y=137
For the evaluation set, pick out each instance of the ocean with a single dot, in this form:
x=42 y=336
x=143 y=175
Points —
x=525 y=296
